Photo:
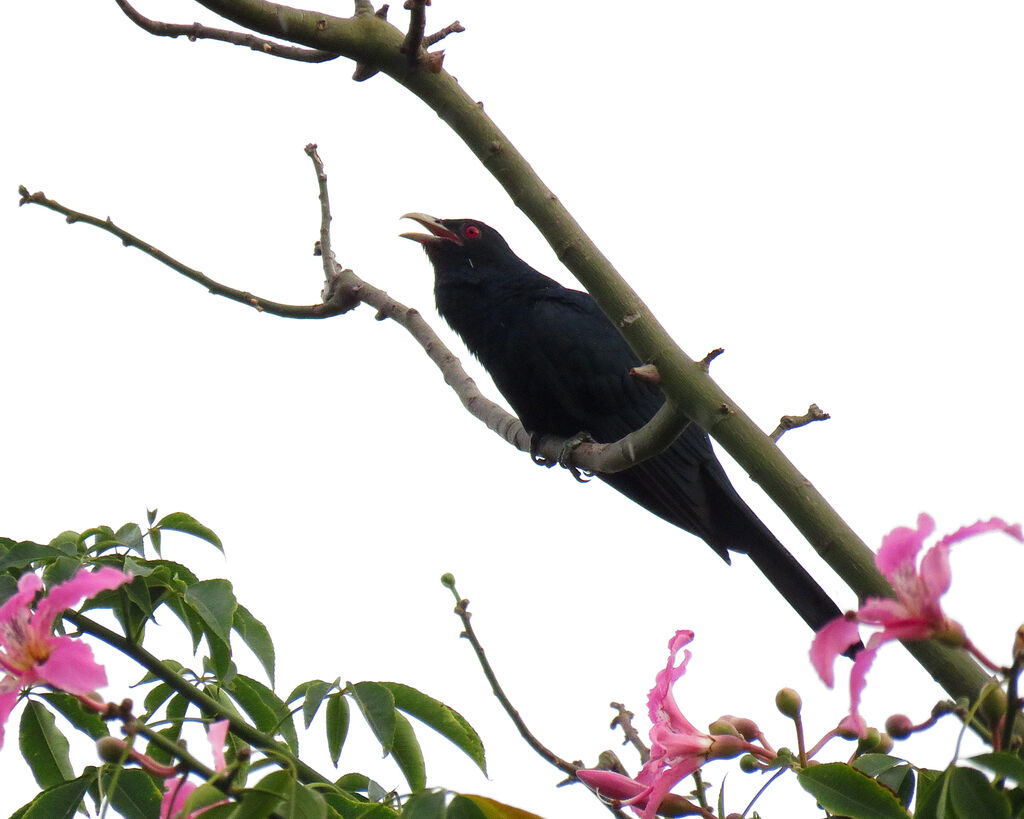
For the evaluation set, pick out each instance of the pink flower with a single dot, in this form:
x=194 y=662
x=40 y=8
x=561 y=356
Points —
x=677 y=747
x=915 y=613
x=29 y=651
x=177 y=789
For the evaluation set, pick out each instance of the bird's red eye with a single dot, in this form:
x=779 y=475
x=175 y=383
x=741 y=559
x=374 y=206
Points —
x=471 y=232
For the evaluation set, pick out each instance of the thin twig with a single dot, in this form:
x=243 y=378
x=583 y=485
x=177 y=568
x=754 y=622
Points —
x=788 y=422
x=195 y=31
x=437 y=36
x=624 y=720
x=313 y=311
x=462 y=609
x=417 y=25
x=345 y=291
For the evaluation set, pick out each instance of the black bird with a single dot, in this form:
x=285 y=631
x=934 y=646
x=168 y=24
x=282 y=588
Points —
x=564 y=368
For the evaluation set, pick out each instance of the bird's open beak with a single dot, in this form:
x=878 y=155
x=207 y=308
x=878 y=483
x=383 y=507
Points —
x=438 y=232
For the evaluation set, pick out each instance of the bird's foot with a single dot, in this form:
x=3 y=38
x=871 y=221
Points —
x=535 y=453
x=564 y=457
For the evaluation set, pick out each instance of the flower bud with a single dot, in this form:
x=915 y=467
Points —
x=870 y=742
x=885 y=744
x=749 y=764
x=111 y=749
x=721 y=727
x=899 y=726
x=993 y=706
x=844 y=731
x=727 y=746
x=747 y=728
x=789 y=703
x=448 y=579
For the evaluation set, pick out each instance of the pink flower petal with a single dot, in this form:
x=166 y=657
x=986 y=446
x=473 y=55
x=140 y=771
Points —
x=661 y=705
x=176 y=791
x=832 y=640
x=218 y=735
x=612 y=785
x=665 y=781
x=8 y=699
x=71 y=667
x=83 y=585
x=880 y=611
x=993 y=525
x=901 y=545
x=28 y=585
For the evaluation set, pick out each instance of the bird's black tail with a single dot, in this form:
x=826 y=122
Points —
x=743 y=531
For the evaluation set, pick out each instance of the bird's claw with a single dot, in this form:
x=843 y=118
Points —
x=564 y=457
x=535 y=453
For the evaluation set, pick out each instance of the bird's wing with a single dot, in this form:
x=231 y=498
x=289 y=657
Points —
x=571 y=374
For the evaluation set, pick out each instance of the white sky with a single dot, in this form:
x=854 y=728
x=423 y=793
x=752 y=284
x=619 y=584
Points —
x=832 y=192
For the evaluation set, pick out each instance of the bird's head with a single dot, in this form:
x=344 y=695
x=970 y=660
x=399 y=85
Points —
x=455 y=242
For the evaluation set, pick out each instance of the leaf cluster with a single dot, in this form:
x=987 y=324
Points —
x=263 y=738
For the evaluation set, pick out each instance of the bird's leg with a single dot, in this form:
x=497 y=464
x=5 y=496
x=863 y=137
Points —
x=565 y=455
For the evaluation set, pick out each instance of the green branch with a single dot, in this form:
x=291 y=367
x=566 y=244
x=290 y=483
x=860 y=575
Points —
x=377 y=46
x=203 y=702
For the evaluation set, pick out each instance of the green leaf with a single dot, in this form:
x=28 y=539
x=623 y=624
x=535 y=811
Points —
x=214 y=601
x=1002 y=763
x=378 y=708
x=21 y=555
x=71 y=709
x=44 y=747
x=351 y=808
x=267 y=710
x=202 y=797
x=219 y=661
x=175 y=712
x=488 y=808
x=182 y=522
x=134 y=795
x=900 y=780
x=874 y=764
x=337 y=725
x=316 y=690
x=130 y=535
x=407 y=753
x=66 y=542
x=60 y=801
x=156 y=697
x=256 y=636
x=265 y=796
x=933 y=795
x=972 y=795
x=448 y=722
x=841 y=789
x=307 y=803
x=425 y=805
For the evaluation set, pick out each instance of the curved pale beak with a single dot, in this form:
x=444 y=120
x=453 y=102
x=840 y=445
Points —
x=438 y=232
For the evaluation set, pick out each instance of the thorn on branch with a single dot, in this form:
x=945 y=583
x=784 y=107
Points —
x=788 y=422
x=706 y=361
x=648 y=373
x=415 y=44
